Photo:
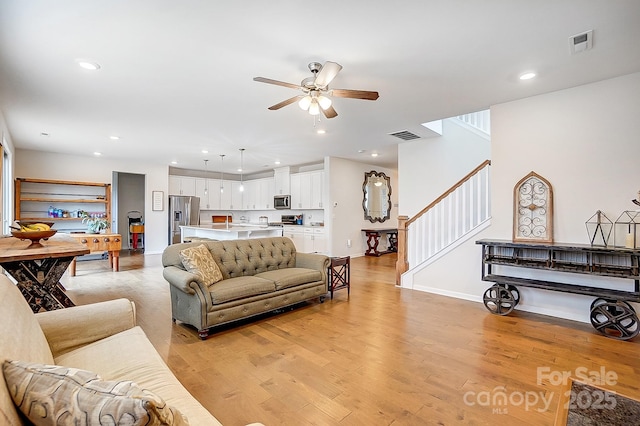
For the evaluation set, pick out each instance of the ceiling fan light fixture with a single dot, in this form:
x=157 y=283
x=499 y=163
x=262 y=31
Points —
x=324 y=102
x=314 y=108
x=305 y=102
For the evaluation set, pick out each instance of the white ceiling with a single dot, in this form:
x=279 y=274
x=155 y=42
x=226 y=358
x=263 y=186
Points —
x=176 y=76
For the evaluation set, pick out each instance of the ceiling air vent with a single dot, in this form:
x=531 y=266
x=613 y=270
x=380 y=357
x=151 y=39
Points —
x=581 y=42
x=405 y=135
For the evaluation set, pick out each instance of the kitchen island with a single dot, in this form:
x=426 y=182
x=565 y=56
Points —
x=232 y=232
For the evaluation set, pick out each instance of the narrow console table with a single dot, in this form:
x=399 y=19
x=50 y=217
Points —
x=37 y=270
x=611 y=313
x=373 y=239
x=111 y=243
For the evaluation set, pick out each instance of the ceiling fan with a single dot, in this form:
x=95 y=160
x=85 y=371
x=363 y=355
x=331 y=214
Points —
x=316 y=90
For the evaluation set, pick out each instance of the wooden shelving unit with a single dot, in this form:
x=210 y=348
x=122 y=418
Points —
x=34 y=196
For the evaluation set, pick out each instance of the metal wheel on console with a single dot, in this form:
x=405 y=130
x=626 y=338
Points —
x=599 y=301
x=514 y=291
x=499 y=300
x=615 y=319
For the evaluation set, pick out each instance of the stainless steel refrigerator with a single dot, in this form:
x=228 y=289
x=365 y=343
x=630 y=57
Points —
x=183 y=210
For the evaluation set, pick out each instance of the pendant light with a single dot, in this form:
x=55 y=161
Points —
x=221 y=173
x=241 y=169
x=206 y=185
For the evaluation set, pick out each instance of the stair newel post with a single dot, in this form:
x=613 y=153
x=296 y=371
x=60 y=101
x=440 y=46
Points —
x=401 y=264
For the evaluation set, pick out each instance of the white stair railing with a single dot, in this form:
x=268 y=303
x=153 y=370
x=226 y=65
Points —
x=456 y=213
x=480 y=120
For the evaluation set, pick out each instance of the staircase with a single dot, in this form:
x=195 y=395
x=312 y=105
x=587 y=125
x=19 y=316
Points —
x=456 y=215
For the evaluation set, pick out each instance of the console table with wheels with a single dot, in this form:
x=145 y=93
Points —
x=611 y=313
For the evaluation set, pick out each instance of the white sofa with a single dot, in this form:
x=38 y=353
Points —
x=102 y=338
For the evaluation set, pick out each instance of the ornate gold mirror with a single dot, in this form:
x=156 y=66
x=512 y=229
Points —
x=376 y=202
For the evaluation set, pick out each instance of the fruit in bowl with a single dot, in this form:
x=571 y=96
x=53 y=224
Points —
x=34 y=231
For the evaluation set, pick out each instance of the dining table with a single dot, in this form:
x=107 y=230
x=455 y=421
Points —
x=37 y=268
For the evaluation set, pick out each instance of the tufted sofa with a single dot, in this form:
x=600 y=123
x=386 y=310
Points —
x=259 y=275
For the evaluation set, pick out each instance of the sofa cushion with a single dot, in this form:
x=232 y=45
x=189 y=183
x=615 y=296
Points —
x=52 y=395
x=291 y=277
x=239 y=288
x=198 y=261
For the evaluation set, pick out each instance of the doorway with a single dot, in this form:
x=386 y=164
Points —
x=128 y=197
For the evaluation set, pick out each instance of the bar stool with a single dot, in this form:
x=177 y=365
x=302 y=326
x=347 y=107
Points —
x=339 y=274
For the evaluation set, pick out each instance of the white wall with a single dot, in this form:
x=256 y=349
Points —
x=45 y=165
x=428 y=167
x=584 y=140
x=344 y=217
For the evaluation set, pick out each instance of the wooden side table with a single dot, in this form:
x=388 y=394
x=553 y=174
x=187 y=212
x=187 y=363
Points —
x=339 y=274
x=111 y=243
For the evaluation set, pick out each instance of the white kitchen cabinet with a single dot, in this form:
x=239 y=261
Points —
x=226 y=194
x=265 y=191
x=182 y=185
x=236 y=196
x=296 y=234
x=307 y=239
x=316 y=189
x=296 y=190
x=208 y=190
x=307 y=190
x=314 y=241
x=282 y=182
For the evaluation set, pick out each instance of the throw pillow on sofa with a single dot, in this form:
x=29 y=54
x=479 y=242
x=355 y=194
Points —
x=198 y=261
x=56 y=395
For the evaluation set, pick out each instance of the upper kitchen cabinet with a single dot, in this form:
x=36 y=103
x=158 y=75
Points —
x=258 y=194
x=208 y=190
x=282 y=183
x=182 y=185
x=307 y=190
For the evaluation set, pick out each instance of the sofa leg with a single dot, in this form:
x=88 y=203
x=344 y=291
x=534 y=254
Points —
x=322 y=299
x=203 y=334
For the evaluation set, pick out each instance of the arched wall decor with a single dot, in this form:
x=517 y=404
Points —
x=533 y=209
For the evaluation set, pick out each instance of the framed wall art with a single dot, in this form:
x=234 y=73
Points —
x=157 y=200
x=533 y=209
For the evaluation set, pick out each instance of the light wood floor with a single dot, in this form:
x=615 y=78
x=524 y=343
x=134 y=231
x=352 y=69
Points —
x=382 y=356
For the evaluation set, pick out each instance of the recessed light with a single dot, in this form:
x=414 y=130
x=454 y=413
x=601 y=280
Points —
x=374 y=154
x=204 y=151
x=97 y=154
x=360 y=151
x=277 y=162
x=239 y=169
x=321 y=131
x=114 y=138
x=174 y=162
x=87 y=65
x=527 y=76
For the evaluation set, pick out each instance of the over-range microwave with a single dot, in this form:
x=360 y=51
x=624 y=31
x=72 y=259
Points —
x=282 y=202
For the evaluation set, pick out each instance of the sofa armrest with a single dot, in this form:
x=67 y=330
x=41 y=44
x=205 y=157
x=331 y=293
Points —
x=71 y=328
x=183 y=280
x=316 y=261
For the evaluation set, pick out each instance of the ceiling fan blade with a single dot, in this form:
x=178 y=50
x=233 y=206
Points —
x=329 y=112
x=354 y=94
x=327 y=73
x=285 y=103
x=276 y=82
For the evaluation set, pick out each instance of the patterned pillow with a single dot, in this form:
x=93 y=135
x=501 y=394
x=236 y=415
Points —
x=55 y=395
x=198 y=260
